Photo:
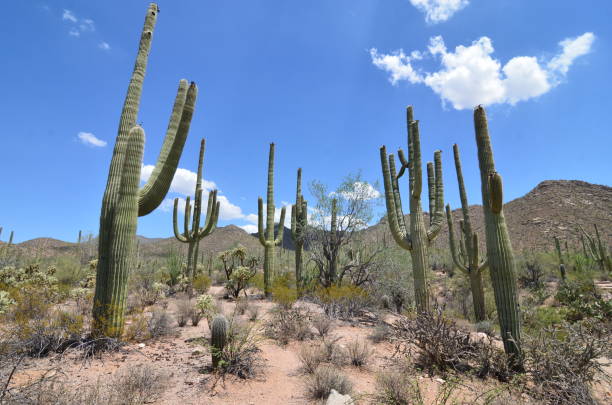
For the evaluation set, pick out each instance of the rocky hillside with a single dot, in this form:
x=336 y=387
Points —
x=553 y=207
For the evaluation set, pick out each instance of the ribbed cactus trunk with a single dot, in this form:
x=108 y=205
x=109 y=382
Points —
x=266 y=236
x=499 y=249
x=467 y=258
x=418 y=238
x=333 y=259
x=123 y=201
x=218 y=338
x=192 y=236
x=561 y=260
x=299 y=221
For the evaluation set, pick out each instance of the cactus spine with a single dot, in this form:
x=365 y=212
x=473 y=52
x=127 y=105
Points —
x=218 y=339
x=466 y=258
x=299 y=221
x=123 y=201
x=596 y=250
x=499 y=249
x=266 y=236
x=418 y=240
x=193 y=236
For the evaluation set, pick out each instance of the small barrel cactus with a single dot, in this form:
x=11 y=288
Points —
x=218 y=331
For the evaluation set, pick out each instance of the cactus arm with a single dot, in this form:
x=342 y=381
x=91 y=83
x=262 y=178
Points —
x=293 y=222
x=187 y=218
x=281 y=228
x=397 y=197
x=260 y=222
x=398 y=235
x=437 y=217
x=496 y=192
x=415 y=160
x=270 y=196
x=431 y=188
x=156 y=188
x=177 y=234
x=404 y=163
x=410 y=162
x=212 y=216
x=451 y=239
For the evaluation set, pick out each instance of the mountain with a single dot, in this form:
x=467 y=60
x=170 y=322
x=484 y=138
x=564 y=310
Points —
x=552 y=208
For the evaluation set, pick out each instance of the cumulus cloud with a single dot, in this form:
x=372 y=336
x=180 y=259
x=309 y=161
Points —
x=104 y=46
x=249 y=228
x=183 y=182
x=79 y=26
x=470 y=75
x=90 y=139
x=439 y=10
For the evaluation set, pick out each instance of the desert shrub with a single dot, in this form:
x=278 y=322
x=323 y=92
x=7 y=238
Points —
x=333 y=353
x=201 y=283
x=240 y=356
x=325 y=379
x=396 y=388
x=531 y=275
x=83 y=299
x=323 y=324
x=563 y=362
x=205 y=307
x=284 y=296
x=310 y=357
x=538 y=318
x=583 y=302
x=358 y=352
x=184 y=310
x=380 y=333
x=441 y=346
x=241 y=306
x=287 y=324
x=485 y=327
x=5 y=302
x=253 y=312
x=133 y=385
x=160 y=324
x=342 y=301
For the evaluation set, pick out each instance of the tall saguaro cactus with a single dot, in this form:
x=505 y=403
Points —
x=499 y=249
x=123 y=201
x=196 y=234
x=266 y=236
x=299 y=221
x=466 y=257
x=418 y=238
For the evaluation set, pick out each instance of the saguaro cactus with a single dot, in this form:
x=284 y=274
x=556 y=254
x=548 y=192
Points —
x=561 y=259
x=218 y=339
x=196 y=234
x=5 y=248
x=418 y=240
x=123 y=201
x=466 y=257
x=596 y=250
x=499 y=249
x=299 y=221
x=266 y=237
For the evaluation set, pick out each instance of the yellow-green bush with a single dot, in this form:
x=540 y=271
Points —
x=342 y=301
x=201 y=283
x=284 y=296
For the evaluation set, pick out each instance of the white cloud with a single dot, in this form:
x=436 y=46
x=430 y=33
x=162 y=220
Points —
x=69 y=16
x=87 y=25
x=362 y=190
x=104 y=46
x=90 y=139
x=398 y=64
x=469 y=75
x=572 y=48
x=184 y=180
x=249 y=228
x=74 y=32
x=439 y=10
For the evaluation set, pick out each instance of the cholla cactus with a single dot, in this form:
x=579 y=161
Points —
x=123 y=201
x=218 y=339
x=466 y=257
x=499 y=249
x=418 y=238
x=205 y=305
x=196 y=234
x=266 y=236
x=5 y=301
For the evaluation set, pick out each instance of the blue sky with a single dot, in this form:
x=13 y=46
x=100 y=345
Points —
x=327 y=81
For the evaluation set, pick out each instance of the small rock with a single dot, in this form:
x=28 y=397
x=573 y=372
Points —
x=441 y=381
x=141 y=345
x=336 y=398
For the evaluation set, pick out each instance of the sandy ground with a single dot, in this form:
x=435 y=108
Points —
x=280 y=382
